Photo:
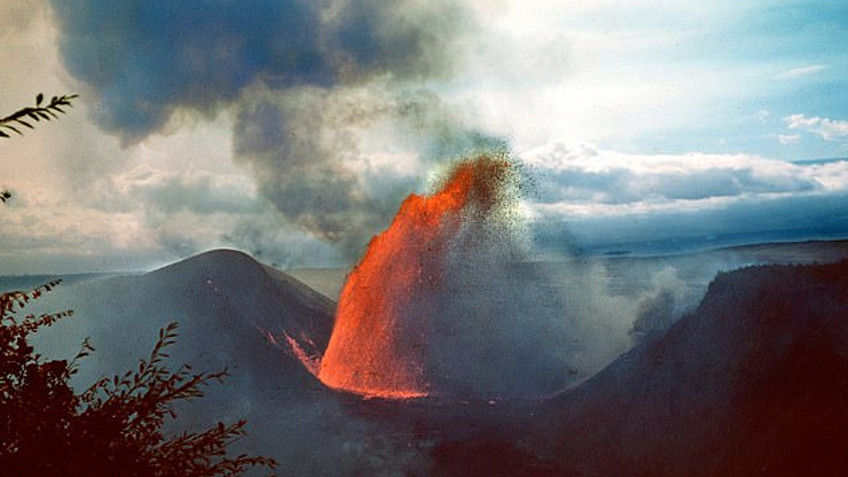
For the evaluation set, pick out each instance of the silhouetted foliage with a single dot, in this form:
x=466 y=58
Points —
x=26 y=117
x=112 y=428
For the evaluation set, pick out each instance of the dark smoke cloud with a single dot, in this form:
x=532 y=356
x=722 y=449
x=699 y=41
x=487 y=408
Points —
x=145 y=60
x=304 y=78
x=409 y=39
x=298 y=162
x=299 y=142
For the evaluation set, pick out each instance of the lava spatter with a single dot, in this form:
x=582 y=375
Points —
x=379 y=342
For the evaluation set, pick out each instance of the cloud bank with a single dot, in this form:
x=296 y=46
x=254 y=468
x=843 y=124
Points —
x=606 y=198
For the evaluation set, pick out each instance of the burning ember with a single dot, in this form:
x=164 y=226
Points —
x=379 y=344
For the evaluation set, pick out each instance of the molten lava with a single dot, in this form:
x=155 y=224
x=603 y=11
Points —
x=379 y=342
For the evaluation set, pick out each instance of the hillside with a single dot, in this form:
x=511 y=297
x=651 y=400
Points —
x=224 y=301
x=754 y=382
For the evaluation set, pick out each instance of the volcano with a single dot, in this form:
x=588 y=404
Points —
x=753 y=382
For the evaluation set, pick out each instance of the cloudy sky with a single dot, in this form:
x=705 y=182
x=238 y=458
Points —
x=291 y=129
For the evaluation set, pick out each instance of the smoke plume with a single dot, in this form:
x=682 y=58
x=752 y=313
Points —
x=304 y=80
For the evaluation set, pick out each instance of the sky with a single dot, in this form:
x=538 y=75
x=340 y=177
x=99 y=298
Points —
x=293 y=129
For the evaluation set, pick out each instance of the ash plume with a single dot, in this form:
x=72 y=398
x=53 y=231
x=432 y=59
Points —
x=303 y=80
x=300 y=144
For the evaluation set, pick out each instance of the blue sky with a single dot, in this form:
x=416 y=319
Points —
x=292 y=129
x=676 y=77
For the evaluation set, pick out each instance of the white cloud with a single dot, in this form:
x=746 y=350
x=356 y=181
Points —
x=763 y=115
x=787 y=139
x=581 y=180
x=827 y=129
x=797 y=121
x=197 y=191
x=800 y=71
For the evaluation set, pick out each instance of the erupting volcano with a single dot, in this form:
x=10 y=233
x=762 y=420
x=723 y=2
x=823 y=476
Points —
x=380 y=340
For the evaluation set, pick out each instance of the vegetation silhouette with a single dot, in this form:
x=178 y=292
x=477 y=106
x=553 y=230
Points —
x=26 y=117
x=112 y=428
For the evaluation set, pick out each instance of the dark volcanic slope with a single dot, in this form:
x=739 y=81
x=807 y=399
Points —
x=754 y=382
x=245 y=296
x=223 y=301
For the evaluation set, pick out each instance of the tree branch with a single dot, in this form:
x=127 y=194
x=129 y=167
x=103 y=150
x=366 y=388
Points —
x=26 y=117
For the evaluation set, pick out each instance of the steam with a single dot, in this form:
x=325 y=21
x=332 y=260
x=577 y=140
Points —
x=660 y=308
x=304 y=80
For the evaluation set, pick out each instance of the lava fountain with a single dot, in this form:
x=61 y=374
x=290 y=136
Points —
x=380 y=339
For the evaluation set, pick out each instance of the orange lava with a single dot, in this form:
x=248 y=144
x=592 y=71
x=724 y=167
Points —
x=379 y=342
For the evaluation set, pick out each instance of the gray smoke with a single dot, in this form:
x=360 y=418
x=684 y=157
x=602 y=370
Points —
x=299 y=144
x=305 y=80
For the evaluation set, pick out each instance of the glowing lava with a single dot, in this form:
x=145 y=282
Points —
x=379 y=342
